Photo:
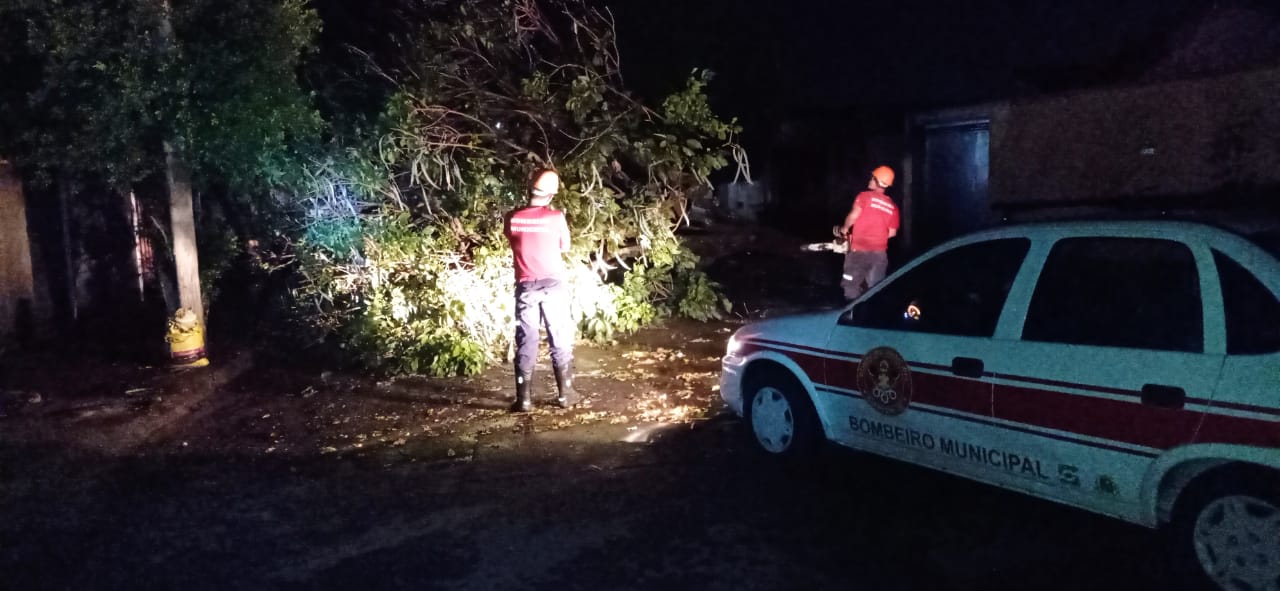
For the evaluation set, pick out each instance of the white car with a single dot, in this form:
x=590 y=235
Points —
x=1127 y=368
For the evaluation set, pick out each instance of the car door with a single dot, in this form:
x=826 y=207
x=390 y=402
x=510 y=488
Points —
x=906 y=373
x=1112 y=360
x=1246 y=403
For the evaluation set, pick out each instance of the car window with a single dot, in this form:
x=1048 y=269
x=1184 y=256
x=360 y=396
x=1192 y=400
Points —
x=1253 y=314
x=1118 y=292
x=958 y=292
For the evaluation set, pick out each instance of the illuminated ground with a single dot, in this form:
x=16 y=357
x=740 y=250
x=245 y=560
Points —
x=256 y=476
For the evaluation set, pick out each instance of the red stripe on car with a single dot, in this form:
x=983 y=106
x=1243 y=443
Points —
x=1116 y=420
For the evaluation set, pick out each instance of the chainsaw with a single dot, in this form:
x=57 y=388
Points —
x=839 y=244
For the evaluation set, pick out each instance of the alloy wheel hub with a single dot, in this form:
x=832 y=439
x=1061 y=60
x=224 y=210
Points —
x=1237 y=539
x=772 y=420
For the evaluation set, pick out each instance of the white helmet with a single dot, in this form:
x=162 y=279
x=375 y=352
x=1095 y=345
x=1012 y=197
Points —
x=546 y=183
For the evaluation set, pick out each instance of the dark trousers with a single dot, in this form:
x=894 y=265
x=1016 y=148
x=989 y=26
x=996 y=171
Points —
x=862 y=269
x=548 y=300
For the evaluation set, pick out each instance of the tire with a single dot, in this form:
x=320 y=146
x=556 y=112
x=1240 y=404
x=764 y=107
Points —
x=1225 y=532
x=780 y=415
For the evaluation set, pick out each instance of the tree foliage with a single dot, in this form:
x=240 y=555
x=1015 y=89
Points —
x=396 y=229
x=403 y=254
x=95 y=86
x=245 y=120
x=88 y=89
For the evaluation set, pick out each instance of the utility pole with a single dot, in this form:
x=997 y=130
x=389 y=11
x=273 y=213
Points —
x=183 y=223
x=181 y=209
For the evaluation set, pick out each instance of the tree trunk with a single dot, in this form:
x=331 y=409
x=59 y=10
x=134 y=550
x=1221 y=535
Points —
x=133 y=214
x=69 y=259
x=183 y=224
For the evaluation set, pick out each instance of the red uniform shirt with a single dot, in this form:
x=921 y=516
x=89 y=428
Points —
x=871 y=230
x=538 y=234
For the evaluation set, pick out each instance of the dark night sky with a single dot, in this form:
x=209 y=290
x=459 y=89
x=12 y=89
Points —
x=776 y=56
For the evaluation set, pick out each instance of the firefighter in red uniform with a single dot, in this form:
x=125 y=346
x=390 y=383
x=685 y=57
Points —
x=868 y=227
x=539 y=236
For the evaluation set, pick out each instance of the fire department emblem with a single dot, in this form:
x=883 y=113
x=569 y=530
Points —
x=885 y=381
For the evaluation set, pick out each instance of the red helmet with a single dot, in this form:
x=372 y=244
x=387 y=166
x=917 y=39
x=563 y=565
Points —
x=883 y=175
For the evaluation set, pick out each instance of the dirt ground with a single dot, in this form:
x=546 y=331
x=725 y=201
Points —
x=665 y=373
x=253 y=474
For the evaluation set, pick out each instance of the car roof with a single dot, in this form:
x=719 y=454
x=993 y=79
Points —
x=1139 y=228
x=1229 y=242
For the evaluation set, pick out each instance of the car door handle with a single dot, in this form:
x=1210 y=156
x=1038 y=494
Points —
x=1163 y=396
x=967 y=367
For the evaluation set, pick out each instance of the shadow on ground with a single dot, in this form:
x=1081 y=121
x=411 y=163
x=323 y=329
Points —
x=685 y=507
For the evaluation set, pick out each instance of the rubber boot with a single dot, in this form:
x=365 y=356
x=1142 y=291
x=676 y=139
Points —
x=564 y=382
x=524 y=393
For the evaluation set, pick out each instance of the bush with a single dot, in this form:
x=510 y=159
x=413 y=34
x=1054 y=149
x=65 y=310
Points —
x=403 y=255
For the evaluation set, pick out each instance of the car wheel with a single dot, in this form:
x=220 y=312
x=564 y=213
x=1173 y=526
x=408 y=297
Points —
x=781 y=416
x=1225 y=533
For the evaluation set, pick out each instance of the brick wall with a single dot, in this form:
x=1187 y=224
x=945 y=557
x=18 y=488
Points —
x=1190 y=137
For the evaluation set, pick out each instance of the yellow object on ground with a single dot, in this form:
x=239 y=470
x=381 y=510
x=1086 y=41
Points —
x=186 y=340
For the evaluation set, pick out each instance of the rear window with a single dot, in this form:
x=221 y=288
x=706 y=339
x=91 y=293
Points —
x=1252 y=311
x=1118 y=292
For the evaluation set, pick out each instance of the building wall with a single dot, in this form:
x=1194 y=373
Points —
x=16 y=283
x=1191 y=137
